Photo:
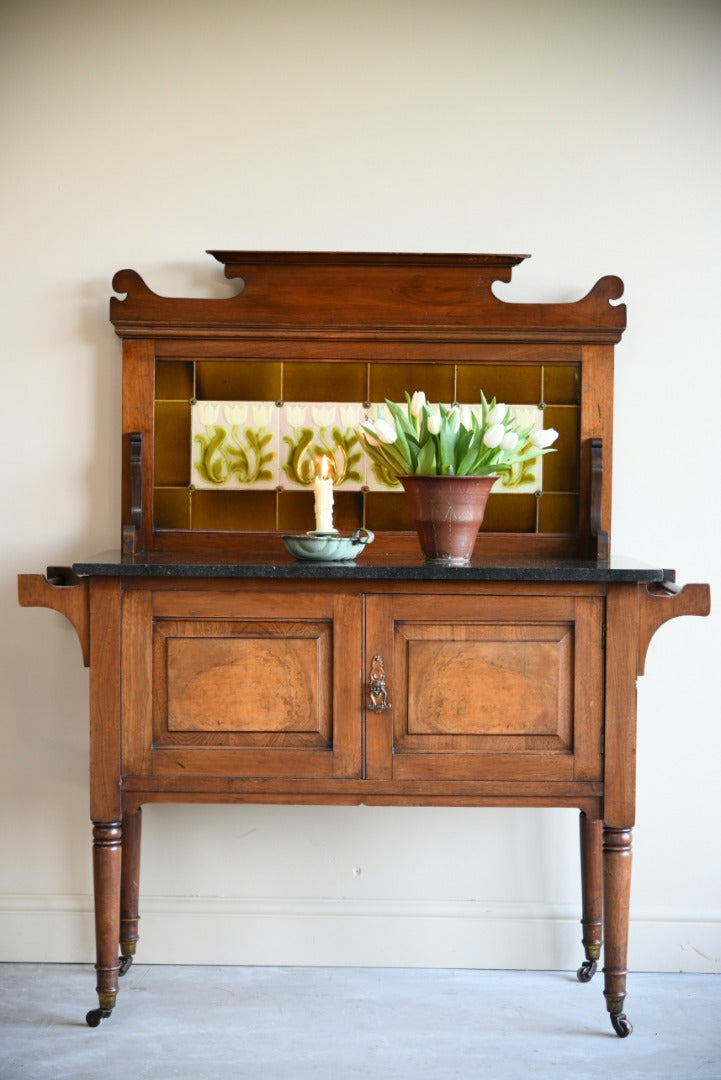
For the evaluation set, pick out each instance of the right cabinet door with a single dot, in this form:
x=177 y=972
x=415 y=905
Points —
x=492 y=686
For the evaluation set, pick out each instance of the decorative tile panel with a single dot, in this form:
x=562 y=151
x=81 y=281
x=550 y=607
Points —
x=267 y=445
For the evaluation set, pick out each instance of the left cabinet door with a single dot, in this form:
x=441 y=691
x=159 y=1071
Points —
x=235 y=682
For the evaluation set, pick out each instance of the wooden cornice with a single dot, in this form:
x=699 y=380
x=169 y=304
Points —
x=362 y=296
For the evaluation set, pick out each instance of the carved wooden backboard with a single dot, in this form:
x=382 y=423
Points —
x=227 y=401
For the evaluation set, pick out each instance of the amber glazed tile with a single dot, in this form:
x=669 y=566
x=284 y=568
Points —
x=561 y=384
x=174 y=380
x=558 y=514
x=171 y=508
x=335 y=381
x=520 y=383
x=233 y=380
x=392 y=380
x=561 y=469
x=510 y=515
x=172 y=443
x=247 y=511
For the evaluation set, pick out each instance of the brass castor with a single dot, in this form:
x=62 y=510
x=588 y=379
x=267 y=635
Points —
x=126 y=962
x=621 y=1025
x=94 y=1017
x=586 y=971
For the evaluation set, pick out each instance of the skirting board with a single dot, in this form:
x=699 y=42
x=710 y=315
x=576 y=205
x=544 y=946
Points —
x=353 y=933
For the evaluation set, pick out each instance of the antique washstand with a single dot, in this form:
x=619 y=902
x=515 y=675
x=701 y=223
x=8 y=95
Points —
x=224 y=670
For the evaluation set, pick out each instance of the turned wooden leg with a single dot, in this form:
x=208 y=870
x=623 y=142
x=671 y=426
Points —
x=129 y=888
x=616 y=898
x=107 y=851
x=591 y=833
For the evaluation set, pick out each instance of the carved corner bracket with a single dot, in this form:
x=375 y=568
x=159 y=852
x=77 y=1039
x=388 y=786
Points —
x=63 y=591
x=665 y=600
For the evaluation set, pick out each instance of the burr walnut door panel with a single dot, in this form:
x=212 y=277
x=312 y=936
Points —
x=241 y=684
x=492 y=687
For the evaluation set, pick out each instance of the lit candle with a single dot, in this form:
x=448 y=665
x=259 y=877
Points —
x=323 y=486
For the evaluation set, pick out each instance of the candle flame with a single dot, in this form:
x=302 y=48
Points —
x=324 y=468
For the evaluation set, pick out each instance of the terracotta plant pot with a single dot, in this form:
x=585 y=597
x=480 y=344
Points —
x=448 y=511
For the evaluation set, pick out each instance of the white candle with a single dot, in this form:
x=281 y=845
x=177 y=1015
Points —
x=323 y=486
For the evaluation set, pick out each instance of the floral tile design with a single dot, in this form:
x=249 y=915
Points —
x=234 y=444
x=527 y=477
x=262 y=445
x=377 y=478
x=310 y=430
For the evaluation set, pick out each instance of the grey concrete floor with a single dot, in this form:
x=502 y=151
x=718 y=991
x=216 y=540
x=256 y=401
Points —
x=338 y=1023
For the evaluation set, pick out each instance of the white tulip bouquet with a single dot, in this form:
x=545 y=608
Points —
x=450 y=440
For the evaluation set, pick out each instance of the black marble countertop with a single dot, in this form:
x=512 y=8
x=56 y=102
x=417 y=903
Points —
x=368 y=567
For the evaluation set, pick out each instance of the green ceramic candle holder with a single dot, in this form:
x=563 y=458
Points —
x=327 y=546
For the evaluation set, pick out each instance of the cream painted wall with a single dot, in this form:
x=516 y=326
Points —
x=141 y=134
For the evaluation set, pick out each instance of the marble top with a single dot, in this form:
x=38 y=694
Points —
x=369 y=566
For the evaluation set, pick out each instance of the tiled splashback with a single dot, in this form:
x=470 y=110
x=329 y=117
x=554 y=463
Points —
x=266 y=445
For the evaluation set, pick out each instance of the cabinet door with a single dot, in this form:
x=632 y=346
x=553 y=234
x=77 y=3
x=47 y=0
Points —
x=241 y=684
x=487 y=687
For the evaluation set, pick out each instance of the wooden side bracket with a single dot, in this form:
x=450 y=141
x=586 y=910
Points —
x=661 y=601
x=63 y=591
x=132 y=530
x=600 y=546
